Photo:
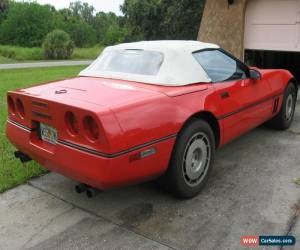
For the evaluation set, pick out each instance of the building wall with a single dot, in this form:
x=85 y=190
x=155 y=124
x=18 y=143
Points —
x=223 y=24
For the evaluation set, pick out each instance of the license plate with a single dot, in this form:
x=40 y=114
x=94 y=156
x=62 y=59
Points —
x=48 y=133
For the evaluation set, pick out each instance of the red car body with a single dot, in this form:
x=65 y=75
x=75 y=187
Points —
x=132 y=120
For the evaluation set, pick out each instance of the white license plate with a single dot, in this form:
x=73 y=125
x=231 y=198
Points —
x=48 y=133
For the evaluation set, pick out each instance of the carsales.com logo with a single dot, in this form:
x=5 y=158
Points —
x=250 y=241
x=254 y=241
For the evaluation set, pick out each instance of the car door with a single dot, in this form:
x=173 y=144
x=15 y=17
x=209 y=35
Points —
x=244 y=102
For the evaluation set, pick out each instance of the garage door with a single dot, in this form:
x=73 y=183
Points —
x=272 y=25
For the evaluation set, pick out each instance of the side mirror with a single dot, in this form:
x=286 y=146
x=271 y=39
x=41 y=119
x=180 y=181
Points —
x=254 y=74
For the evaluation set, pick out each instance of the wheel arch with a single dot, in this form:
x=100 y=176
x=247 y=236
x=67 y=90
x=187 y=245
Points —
x=295 y=82
x=210 y=119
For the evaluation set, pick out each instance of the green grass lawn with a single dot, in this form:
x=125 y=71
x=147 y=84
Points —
x=12 y=172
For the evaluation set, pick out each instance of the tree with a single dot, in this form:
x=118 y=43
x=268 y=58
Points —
x=143 y=18
x=76 y=20
x=82 y=10
x=81 y=33
x=114 y=35
x=182 y=18
x=162 y=19
x=4 y=4
x=108 y=24
x=26 y=24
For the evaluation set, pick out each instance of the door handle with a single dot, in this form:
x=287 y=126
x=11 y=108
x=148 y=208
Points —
x=247 y=83
x=224 y=95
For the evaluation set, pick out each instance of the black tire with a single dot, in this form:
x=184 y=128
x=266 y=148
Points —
x=197 y=135
x=284 y=118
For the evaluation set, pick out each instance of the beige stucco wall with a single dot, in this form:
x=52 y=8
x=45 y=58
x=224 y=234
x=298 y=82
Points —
x=223 y=24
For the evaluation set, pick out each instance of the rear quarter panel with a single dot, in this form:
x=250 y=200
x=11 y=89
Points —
x=162 y=115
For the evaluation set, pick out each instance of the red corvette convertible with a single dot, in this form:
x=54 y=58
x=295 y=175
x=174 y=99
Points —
x=147 y=110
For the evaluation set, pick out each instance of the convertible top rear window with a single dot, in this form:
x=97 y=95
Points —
x=139 y=62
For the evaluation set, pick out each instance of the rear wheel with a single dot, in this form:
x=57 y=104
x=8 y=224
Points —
x=192 y=159
x=284 y=118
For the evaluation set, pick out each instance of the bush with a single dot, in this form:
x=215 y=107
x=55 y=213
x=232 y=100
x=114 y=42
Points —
x=58 y=45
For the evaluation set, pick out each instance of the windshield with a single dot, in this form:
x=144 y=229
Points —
x=129 y=61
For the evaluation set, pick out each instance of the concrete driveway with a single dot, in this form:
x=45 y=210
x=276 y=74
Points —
x=251 y=192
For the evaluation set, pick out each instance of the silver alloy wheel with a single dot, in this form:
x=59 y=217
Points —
x=197 y=155
x=289 y=108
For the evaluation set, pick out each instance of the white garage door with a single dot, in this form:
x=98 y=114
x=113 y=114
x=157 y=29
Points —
x=273 y=25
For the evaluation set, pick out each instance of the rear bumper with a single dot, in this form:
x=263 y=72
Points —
x=88 y=167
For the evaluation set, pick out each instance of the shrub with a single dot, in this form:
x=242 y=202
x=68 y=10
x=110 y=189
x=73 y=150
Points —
x=58 y=45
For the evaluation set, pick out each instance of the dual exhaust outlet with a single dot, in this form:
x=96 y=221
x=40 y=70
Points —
x=89 y=191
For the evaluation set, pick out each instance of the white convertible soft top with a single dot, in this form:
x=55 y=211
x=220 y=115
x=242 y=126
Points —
x=178 y=68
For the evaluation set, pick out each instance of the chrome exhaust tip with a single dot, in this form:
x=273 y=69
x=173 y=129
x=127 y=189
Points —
x=22 y=157
x=80 y=188
x=92 y=192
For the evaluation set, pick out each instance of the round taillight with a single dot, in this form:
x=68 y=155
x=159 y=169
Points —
x=11 y=105
x=91 y=128
x=20 y=108
x=72 y=123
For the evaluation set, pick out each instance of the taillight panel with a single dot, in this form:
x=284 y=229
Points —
x=11 y=105
x=91 y=128
x=86 y=126
x=72 y=123
x=20 y=108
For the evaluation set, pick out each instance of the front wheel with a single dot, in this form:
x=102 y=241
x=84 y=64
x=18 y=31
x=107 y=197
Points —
x=192 y=159
x=284 y=118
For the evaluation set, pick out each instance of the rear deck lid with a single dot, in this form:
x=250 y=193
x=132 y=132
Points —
x=99 y=91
